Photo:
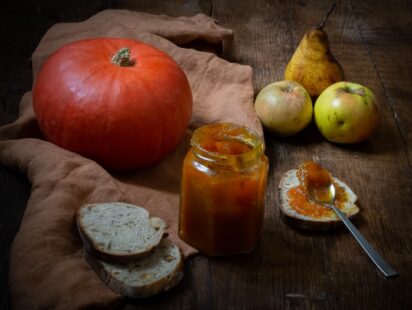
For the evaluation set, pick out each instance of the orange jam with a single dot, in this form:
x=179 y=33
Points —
x=223 y=190
x=314 y=179
x=317 y=179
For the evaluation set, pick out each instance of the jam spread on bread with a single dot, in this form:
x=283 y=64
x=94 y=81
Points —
x=314 y=178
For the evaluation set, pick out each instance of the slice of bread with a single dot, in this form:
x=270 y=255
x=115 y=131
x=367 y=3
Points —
x=159 y=271
x=118 y=232
x=292 y=217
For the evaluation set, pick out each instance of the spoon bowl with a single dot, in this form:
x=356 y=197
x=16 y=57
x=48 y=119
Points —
x=329 y=199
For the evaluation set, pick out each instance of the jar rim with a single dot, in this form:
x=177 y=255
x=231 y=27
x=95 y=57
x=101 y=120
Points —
x=244 y=135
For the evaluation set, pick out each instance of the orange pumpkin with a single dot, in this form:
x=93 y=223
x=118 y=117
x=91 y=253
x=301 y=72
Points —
x=120 y=102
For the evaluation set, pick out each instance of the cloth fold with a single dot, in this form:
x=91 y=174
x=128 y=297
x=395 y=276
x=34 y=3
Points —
x=47 y=268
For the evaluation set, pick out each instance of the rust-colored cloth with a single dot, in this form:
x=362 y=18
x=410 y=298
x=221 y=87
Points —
x=47 y=268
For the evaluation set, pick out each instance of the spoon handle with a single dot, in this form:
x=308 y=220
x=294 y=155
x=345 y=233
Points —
x=383 y=266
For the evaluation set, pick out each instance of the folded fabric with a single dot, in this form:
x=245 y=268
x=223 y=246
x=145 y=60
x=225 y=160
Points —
x=47 y=267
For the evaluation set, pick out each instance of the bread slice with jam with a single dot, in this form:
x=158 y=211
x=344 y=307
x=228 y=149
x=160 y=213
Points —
x=299 y=211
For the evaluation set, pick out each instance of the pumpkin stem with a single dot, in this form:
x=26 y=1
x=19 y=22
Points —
x=122 y=57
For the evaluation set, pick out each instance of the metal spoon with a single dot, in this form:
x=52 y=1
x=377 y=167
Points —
x=383 y=266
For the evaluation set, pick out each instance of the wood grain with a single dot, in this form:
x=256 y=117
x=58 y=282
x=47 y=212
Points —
x=388 y=41
x=171 y=8
x=289 y=268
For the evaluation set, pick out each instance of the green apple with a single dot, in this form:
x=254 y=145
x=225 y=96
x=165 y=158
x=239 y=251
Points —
x=347 y=112
x=284 y=107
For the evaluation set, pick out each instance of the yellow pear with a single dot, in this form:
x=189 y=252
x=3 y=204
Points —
x=313 y=65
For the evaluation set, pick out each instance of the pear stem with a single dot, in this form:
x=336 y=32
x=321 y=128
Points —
x=331 y=9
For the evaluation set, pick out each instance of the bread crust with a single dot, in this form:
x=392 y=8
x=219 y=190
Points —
x=306 y=222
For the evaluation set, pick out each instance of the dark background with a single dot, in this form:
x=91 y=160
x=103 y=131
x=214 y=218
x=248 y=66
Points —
x=289 y=269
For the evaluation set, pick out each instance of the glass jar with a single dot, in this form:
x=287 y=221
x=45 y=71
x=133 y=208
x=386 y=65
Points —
x=223 y=190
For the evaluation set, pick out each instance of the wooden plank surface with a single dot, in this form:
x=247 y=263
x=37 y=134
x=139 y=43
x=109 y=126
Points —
x=288 y=269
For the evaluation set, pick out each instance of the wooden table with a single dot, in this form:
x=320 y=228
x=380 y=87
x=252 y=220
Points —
x=289 y=269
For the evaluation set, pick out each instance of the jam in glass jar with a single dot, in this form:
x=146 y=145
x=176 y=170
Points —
x=223 y=190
